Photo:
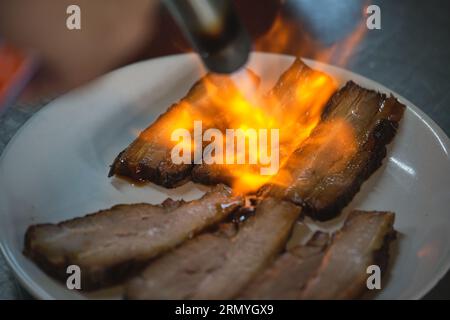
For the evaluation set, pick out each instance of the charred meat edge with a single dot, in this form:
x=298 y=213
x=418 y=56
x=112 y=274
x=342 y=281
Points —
x=113 y=244
x=218 y=266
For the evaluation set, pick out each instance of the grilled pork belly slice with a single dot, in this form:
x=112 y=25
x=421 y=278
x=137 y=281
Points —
x=328 y=169
x=287 y=276
x=298 y=97
x=176 y=274
x=111 y=244
x=148 y=158
x=219 y=265
x=363 y=241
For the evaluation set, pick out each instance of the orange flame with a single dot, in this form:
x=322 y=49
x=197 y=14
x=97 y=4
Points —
x=298 y=118
x=294 y=107
x=326 y=152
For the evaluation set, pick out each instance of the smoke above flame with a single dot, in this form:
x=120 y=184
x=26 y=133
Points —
x=289 y=36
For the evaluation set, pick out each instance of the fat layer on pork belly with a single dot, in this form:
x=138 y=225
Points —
x=288 y=274
x=321 y=269
x=112 y=244
x=362 y=242
x=345 y=148
x=148 y=157
x=218 y=265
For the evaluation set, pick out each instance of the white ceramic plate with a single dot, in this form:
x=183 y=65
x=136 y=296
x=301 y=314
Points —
x=56 y=166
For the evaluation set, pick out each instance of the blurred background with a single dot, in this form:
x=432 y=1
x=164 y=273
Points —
x=410 y=54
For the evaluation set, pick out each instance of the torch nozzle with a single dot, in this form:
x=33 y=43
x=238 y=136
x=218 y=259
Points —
x=215 y=32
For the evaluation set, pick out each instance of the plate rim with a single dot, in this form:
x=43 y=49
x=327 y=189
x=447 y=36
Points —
x=38 y=292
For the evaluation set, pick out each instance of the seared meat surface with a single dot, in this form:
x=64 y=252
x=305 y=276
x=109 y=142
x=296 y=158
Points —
x=363 y=241
x=218 y=266
x=347 y=146
x=148 y=158
x=294 y=104
x=287 y=276
x=323 y=270
x=110 y=244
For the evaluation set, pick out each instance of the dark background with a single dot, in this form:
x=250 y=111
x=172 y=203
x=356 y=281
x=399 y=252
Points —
x=410 y=55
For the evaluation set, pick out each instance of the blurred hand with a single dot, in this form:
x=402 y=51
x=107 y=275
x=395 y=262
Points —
x=111 y=32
